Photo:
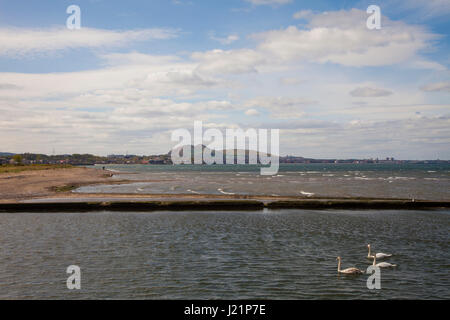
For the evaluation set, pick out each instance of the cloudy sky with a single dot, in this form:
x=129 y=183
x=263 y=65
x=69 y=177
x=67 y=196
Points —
x=137 y=70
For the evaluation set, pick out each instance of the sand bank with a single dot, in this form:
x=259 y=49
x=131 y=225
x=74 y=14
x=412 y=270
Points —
x=43 y=183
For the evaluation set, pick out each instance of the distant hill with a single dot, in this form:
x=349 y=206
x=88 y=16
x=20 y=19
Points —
x=222 y=153
x=5 y=154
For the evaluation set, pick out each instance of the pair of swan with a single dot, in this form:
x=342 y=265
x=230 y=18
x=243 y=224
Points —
x=380 y=255
x=374 y=257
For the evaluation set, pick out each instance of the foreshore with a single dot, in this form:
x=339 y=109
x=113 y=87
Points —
x=25 y=185
x=51 y=190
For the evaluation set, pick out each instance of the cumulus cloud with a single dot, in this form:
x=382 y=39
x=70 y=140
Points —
x=21 y=41
x=339 y=37
x=370 y=92
x=436 y=87
x=342 y=37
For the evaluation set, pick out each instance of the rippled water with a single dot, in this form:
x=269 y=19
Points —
x=286 y=254
x=419 y=181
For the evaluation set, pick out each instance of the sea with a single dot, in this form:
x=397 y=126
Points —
x=280 y=254
x=401 y=181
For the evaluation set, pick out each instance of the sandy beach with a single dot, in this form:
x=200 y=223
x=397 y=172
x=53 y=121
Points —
x=59 y=183
x=46 y=183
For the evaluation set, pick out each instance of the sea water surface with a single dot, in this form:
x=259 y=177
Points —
x=282 y=254
x=406 y=181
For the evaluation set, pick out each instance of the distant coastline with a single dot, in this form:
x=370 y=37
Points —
x=165 y=159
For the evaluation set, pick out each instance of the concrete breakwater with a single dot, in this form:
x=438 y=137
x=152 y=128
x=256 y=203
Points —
x=221 y=205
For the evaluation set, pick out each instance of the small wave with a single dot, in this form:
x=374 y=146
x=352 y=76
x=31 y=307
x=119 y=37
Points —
x=192 y=191
x=221 y=191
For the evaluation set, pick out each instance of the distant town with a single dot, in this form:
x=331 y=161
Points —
x=165 y=159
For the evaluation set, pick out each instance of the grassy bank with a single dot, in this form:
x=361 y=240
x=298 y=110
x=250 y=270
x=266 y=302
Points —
x=9 y=168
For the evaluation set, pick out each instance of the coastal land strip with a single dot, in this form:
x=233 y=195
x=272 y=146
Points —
x=51 y=191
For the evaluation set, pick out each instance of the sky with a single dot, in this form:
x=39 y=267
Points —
x=138 y=70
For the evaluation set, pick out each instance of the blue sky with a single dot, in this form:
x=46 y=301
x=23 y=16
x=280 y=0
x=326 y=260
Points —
x=138 y=70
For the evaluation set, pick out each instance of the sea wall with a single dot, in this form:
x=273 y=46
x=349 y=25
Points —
x=221 y=205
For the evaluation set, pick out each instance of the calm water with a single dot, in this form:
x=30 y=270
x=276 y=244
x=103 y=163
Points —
x=419 y=181
x=286 y=254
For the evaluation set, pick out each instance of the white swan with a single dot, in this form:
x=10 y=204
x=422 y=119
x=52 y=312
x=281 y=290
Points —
x=379 y=255
x=382 y=264
x=348 y=270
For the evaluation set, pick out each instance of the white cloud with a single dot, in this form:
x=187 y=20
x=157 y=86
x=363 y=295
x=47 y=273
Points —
x=231 y=61
x=224 y=40
x=252 y=112
x=303 y=14
x=19 y=41
x=281 y=107
x=342 y=38
x=339 y=37
x=269 y=2
x=370 y=92
x=8 y=86
x=427 y=135
x=290 y=81
x=437 y=87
